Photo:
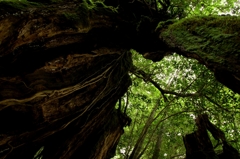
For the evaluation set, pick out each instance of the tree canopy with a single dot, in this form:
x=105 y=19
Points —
x=74 y=73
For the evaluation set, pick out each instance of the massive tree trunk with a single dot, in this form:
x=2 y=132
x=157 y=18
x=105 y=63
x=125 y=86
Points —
x=59 y=83
x=63 y=66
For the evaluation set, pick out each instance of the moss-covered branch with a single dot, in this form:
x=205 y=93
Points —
x=212 y=40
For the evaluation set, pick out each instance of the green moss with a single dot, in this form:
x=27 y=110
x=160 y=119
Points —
x=19 y=5
x=88 y=2
x=215 y=38
x=101 y=7
x=206 y=36
x=79 y=16
x=164 y=24
x=82 y=14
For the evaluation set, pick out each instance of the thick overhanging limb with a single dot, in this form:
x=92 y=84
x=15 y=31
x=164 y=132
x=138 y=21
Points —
x=56 y=25
x=41 y=26
x=212 y=40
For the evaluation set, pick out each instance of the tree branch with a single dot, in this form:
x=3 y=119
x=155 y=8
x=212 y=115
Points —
x=215 y=103
x=146 y=77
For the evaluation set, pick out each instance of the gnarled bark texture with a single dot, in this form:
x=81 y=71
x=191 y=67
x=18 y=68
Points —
x=59 y=82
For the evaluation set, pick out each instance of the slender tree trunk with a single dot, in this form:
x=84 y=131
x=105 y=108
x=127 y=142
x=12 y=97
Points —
x=138 y=146
x=157 y=148
x=129 y=148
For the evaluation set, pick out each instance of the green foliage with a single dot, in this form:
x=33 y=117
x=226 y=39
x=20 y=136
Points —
x=19 y=5
x=206 y=7
x=195 y=91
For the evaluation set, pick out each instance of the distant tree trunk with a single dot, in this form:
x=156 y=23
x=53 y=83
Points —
x=131 y=141
x=136 y=152
x=198 y=144
x=157 y=148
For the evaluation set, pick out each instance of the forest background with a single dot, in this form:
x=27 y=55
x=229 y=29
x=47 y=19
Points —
x=166 y=97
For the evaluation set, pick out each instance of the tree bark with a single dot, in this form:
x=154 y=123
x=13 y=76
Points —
x=60 y=80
